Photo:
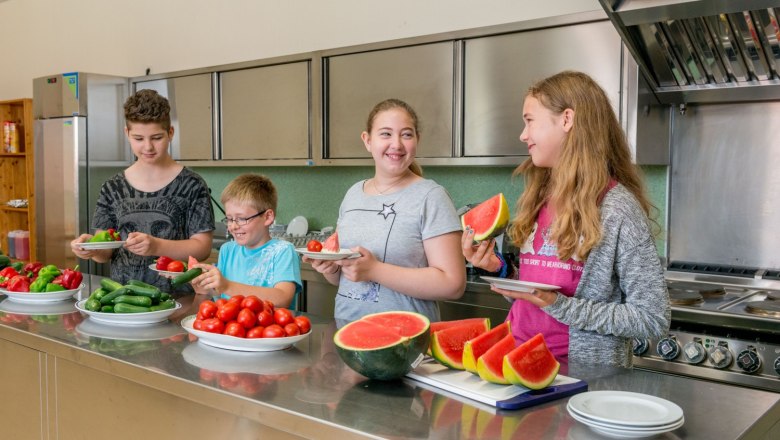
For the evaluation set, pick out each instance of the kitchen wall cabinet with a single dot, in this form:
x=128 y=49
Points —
x=191 y=114
x=499 y=69
x=265 y=112
x=422 y=76
x=16 y=175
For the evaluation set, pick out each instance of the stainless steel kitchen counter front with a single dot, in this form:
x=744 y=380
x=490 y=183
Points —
x=307 y=391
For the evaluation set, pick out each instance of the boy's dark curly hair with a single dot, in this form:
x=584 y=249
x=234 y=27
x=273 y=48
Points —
x=147 y=106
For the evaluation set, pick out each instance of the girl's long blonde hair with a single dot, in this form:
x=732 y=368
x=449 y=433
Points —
x=594 y=151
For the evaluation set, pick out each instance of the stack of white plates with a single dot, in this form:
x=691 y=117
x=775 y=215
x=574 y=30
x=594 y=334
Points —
x=622 y=414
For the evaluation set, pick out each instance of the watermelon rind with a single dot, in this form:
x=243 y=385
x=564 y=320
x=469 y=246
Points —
x=391 y=360
x=488 y=219
x=531 y=365
x=476 y=347
x=490 y=364
x=447 y=345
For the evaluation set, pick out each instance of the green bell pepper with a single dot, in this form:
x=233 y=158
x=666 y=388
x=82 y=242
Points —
x=49 y=271
x=51 y=287
x=39 y=285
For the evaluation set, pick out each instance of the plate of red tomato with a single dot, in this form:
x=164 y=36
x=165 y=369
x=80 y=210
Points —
x=166 y=273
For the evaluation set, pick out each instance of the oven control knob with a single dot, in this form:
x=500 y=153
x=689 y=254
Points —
x=749 y=361
x=668 y=348
x=777 y=365
x=640 y=346
x=694 y=352
x=721 y=356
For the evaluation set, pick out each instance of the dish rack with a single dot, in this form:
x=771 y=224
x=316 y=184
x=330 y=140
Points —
x=301 y=240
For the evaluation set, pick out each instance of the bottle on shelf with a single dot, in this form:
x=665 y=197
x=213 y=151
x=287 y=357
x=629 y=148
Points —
x=22 y=245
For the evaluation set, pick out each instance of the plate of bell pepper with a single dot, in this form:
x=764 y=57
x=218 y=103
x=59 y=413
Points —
x=108 y=239
x=37 y=282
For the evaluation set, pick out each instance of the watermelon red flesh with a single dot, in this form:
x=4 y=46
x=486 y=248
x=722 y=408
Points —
x=380 y=351
x=447 y=345
x=531 y=365
x=478 y=346
x=331 y=244
x=490 y=364
x=441 y=325
x=488 y=219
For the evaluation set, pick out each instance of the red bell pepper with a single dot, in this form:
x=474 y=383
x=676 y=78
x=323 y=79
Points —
x=9 y=272
x=71 y=278
x=162 y=262
x=57 y=280
x=33 y=268
x=114 y=234
x=19 y=283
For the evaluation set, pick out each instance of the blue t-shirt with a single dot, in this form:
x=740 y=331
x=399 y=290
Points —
x=272 y=263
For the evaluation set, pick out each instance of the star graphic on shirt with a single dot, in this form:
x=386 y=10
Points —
x=387 y=210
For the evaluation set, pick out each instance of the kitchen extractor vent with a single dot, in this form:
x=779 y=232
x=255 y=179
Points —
x=712 y=269
x=703 y=50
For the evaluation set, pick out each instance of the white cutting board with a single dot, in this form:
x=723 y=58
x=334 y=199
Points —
x=469 y=385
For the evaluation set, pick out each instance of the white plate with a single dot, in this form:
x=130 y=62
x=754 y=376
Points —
x=41 y=297
x=623 y=432
x=517 y=285
x=101 y=245
x=298 y=226
x=164 y=273
x=46 y=308
x=128 y=318
x=626 y=409
x=163 y=330
x=342 y=254
x=240 y=344
x=217 y=359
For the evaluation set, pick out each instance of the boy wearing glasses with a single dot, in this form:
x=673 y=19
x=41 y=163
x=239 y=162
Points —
x=158 y=206
x=254 y=263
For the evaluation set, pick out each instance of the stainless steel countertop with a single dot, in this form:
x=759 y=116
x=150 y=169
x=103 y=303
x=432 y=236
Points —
x=313 y=394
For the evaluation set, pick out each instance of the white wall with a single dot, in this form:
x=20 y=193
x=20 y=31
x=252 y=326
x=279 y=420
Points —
x=42 y=37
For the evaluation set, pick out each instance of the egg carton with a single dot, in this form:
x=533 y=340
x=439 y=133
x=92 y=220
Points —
x=301 y=240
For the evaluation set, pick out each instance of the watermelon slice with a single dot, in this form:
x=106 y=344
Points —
x=490 y=364
x=384 y=346
x=488 y=219
x=331 y=244
x=441 y=325
x=531 y=365
x=447 y=345
x=191 y=261
x=476 y=347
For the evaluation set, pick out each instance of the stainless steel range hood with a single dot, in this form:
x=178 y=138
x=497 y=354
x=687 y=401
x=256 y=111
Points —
x=703 y=50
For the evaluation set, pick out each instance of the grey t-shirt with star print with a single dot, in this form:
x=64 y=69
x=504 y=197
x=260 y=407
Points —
x=393 y=227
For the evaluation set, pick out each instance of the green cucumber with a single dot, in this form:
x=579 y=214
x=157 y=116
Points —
x=153 y=293
x=143 y=301
x=109 y=284
x=4 y=261
x=92 y=304
x=164 y=296
x=129 y=308
x=109 y=298
x=141 y=284
x=107 y=309
x=165 y=305
x=186 y=277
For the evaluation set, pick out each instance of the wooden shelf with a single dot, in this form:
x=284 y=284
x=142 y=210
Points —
x=16 y=175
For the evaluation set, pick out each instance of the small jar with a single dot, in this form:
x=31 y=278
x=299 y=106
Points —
x=12 y=244
x=22 y=245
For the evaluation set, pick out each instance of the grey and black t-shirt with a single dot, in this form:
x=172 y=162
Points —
x=176 y=212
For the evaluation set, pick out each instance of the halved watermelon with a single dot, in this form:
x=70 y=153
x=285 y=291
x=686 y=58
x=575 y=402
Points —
x=384 y=345
x=476 y=347
x=488 y=219
x=447 y=345
x=441 y=325
x=490 y=364
x=531 y=365
x=331 y=244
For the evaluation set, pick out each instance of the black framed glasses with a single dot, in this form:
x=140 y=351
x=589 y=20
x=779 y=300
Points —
x=242 y=221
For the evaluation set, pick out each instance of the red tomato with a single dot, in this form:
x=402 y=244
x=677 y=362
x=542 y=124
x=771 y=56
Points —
x=273 y=331
x=292 y=329
x=269 y=306
x=228 y=312
x=255 y=332
x=314 y=246
x=175 y=266
x=253 y=303
x=197 y=324
x=207 y=309
x=283 y=317
x=233 y=328
x=213 y=325
x=207 y=375
x=220 y=302
x=247 y=318
x=303 y=323
x=162 y=263
x=265 y=318
x=236 y=298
